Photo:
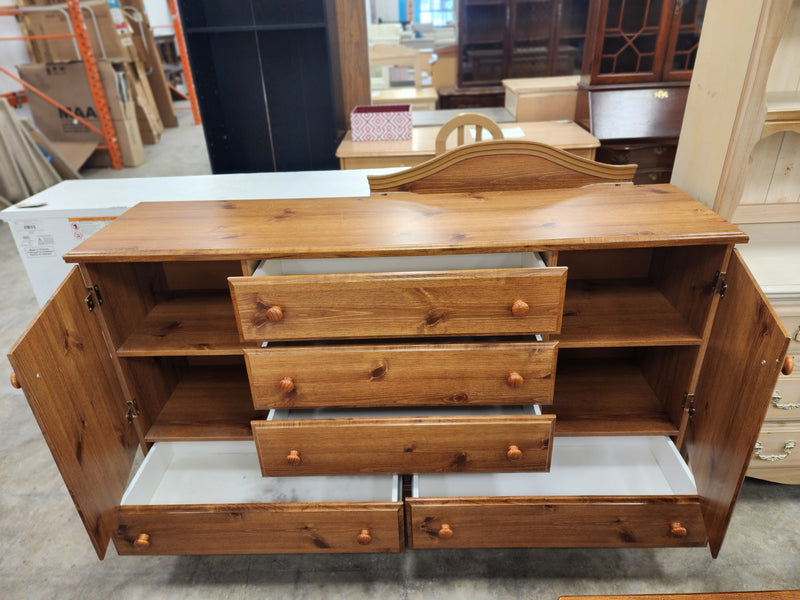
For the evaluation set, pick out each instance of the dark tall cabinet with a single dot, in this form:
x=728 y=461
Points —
x=499 y=39
x=268 y=80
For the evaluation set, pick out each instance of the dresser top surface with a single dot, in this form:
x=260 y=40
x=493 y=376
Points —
x=399 y=223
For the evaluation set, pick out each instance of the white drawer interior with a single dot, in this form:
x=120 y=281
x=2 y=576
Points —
x=229 y=473
x=580 y=466
x=434 y=411
x=401 y=264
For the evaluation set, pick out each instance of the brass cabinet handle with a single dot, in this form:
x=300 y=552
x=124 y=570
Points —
x=788 y=365
x=275 y=313
x=286 y=385
x=787 y=450
x=293 y=458
x=515 y=380
x=444 y=533
x=364 y=537
x=513 y=452
x=143 y=541
x=776 y=402
x=14 y=381
x=520 y=308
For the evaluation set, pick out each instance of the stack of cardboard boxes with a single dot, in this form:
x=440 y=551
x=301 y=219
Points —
x=130 y=71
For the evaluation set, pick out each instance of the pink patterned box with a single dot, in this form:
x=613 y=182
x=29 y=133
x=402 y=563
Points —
x=381 y=122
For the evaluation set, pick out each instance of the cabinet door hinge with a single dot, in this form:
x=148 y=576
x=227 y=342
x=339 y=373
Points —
x=720 y=284
x=133 y=410
x=688 y=405
x=94 y=292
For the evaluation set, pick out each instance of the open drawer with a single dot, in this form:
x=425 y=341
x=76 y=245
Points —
x=210 y=498
x=599 y=492
x=382 y=297
x=486 y=438
x=402 y=375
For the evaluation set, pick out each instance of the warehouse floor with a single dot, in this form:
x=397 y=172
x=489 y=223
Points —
x=45 y=552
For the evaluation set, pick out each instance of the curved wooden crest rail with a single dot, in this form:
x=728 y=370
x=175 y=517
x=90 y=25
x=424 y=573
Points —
x=501 y=165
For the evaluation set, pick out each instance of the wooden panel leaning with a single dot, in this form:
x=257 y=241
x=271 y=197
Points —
x=501 y=165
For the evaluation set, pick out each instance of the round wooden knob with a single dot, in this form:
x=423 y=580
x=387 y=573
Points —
x=515 y=380
x=520 y=308
x=786 y=369
x=14 y=380
x=514 y=453
x=677 y=530
x=286 y=384
x=445 y=533
x=293 y=458
x=274 y=313
x=143 y=541
x=364 y=537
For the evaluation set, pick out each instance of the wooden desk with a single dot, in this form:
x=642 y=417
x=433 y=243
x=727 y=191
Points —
x=566 y=135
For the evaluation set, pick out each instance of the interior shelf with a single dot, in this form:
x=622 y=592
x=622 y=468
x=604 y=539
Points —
x=783 y=106
x=621 y=313
x=187 y=326
x=606 y=396
x=209 y=403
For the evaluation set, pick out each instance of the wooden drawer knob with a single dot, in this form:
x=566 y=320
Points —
x=293 y=458
x=786 y=369
x=514 y=453
x=14 y=380
x=364 y=537
x=677 y=530
x=143 y=541
x=515 y=380
x=274 y=313
x=445 y=533
x=520 y=308
x=286 y=384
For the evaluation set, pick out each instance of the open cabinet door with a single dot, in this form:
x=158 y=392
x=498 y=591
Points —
x=65 y=369
x=743 y=359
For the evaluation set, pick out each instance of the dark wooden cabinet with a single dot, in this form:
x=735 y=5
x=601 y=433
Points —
x=499 y=39
x=643 y=41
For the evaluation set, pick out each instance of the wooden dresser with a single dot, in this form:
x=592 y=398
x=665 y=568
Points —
x=496 y=369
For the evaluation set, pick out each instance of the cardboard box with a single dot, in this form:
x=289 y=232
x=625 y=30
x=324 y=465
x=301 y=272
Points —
x=381 y=122
x=66 y=83
x=106 y=38
x=542 y=98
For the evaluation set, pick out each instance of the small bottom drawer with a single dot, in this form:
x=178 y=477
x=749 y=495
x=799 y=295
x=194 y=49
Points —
x=777 y=456
x=600 y=492
x=431 y=440
x=210 y=498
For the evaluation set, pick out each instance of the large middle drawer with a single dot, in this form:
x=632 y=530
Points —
x=402 y=375
x=381 y=305
x=478 y=439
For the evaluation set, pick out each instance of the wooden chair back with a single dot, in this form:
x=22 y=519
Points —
x=501 y=165
x=459 y=123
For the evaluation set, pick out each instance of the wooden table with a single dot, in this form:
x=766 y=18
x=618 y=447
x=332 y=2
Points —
x=566 y=135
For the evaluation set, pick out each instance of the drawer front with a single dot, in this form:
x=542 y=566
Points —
x=378 y=305
x=404 y=444
x=419 y=375
x=777 y=455
x=558 y=522
x=260 y=528
x=785 y=403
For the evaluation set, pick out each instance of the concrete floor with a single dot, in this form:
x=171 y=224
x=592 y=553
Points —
x=45 y=552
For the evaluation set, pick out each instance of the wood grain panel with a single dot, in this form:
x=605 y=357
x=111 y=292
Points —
x=378 y=305
x=610 y=312
x=209 y=403
x=558 y=522
x=185 y=326
x=260 y=528
x=744 y=356
x=404 y=444
x=399 y=223
x=410 y=375
x=63 y=365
